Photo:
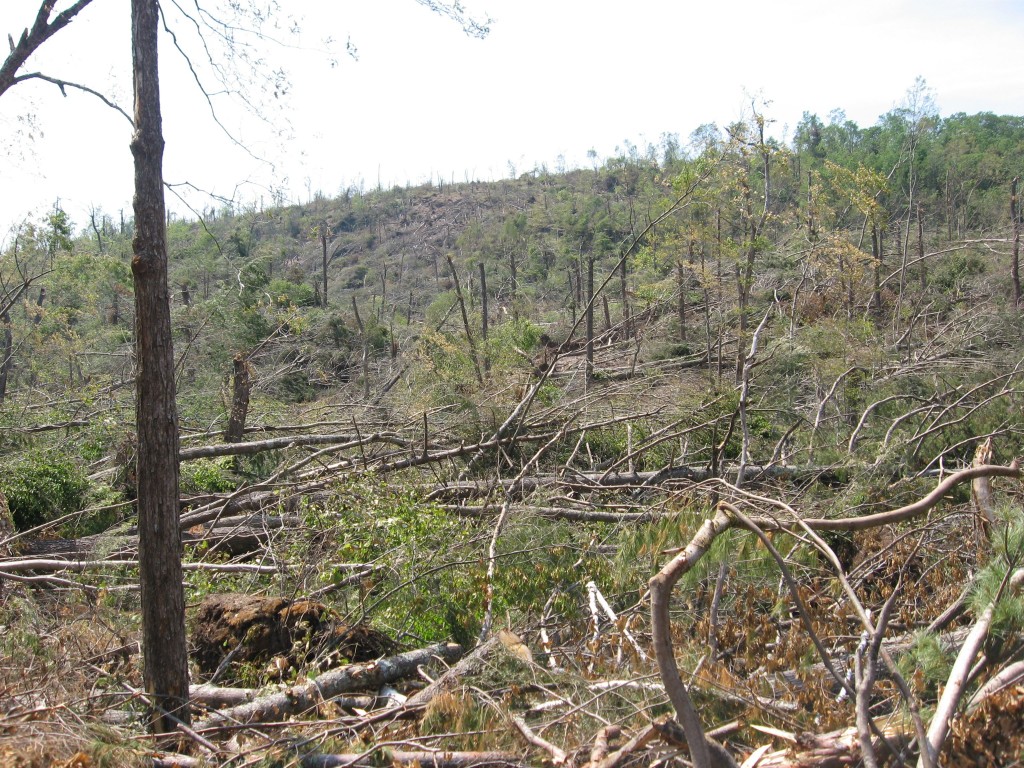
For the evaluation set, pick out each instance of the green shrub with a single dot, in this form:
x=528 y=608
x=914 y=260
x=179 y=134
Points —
x=42 y=487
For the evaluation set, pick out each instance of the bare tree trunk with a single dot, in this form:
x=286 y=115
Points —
x=465 y=321
x=38 y=313
x=6 y=354
x=920 y=249
x=1015 y=258
x=514 y=285
x=96 y=229
x=876 y=252
x=323 y=249
x=627 y=329
x=165 y=656
x=681 y=288
x=366 y=349
x=743 y=407
x=241 y=385
x=590 y=317
x=483 y=314
x=718 y=251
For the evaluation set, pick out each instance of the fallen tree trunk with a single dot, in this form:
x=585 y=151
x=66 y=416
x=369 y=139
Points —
x=830 y=750
x=423 y=759
x=377 y=757
x=582 y=481
x=468 y=665
x=215 y=696
x=557 y=513
x=46 y=565
x=355 y=677
x=236 y=535
x=341 y=442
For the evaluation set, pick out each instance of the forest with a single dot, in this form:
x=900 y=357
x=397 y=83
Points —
x=703 y=454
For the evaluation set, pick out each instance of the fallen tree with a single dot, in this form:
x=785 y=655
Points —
x=306 y=697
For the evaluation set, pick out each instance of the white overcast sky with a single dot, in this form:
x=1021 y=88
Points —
x=553 y=79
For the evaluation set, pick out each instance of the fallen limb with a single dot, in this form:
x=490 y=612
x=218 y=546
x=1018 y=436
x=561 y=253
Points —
x=661 y=591
x=305 y=697
x=601 y=743
x=214 y=696
x=466 y=666
x=959 y=675
x=726 y=517
x=615 y=759
x=207 y=695
x=558 y=513
x=582 y=481
x=372 y=758
x=340 y=442
x=826 y=750
x=1009 y=675
x=558 y=756
x=424 y=759
x=240 y=534
x=48 y=565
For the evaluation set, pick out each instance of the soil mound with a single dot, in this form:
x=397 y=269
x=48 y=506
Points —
x=253 y=628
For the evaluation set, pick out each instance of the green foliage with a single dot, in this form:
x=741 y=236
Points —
x=927 y=663
x=41 y=487
x=989 y=584
x=956 y=270
x=433 y=594
x=507 y=342
x=285 y=294
x=208 y=476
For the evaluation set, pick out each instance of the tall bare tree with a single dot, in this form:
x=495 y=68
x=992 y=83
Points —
x=165 y=654
x=1015 y=257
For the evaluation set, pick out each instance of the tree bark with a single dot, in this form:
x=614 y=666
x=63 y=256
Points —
x=323 y=246
x=661 y=592
x=624 y=285
x=465 y=322
x=483 y=314
x=920 y=250
x=365 y=360
x=6 y=353
x=876 y=253
x=355 y=677
x=590 y=317
x=165 y=657
x=681 y=299
x=240 y=387
x=1015 y=258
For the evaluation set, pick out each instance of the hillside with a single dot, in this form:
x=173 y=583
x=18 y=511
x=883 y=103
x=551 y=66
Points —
x=425 y=415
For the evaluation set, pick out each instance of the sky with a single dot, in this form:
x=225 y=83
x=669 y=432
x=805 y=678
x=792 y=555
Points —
x=422 y=101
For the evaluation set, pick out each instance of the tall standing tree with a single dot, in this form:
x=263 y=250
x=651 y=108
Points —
x=165 y=656
x=1015 y=255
